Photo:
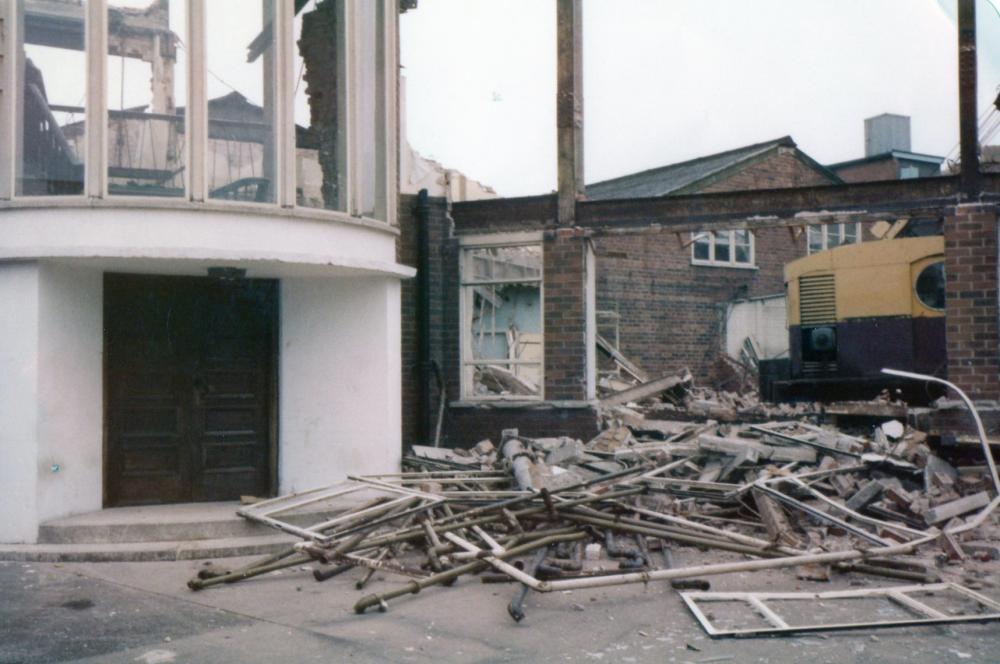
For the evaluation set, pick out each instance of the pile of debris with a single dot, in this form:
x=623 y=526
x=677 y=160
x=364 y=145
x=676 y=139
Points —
x=556 y=514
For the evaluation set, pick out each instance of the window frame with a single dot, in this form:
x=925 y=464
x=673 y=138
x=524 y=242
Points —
x=711 y=261
x=196 y=116
x=466 y=381
x=824 y=230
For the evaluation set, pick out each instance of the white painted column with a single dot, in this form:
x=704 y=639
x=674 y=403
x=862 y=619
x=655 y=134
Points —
x=339 y=380
x=18 y=401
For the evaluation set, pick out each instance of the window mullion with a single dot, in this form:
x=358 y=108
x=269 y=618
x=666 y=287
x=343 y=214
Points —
x=351 y=129
x=196 y=120
x=96 y=109
x=284 y=18
x=8 y=98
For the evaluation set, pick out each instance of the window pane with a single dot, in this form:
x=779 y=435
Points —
x=241 y=98
x=368 y=166
x=815 y=234
x=503 y=263
x=850 y=233
x=703 y=247
x=146 y=87
x=742 y=246
x=506 y=324
x=320 y=140
x=722 y=247
x=53 y=68
x=833 y=232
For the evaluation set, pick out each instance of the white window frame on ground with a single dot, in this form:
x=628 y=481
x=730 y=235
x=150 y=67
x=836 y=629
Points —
x=829 y=236
x=196 y=120
x=698 y=239
x=467 y=288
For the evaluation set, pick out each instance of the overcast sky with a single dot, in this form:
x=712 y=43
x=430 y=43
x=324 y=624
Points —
x=669 y=80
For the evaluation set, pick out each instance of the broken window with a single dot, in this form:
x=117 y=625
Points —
x=723 y=248
x=320 y=106
x=241 y=100
x=502 y=339
x=146 y=88
x=828 y=236
x=52 y=65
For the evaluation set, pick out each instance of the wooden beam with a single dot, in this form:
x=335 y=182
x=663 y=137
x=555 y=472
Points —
x=569 y=107
x=967 y=102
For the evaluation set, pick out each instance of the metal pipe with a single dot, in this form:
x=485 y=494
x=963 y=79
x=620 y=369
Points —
x=422 y=213
x=516 y=606
x=417 y=585
x=961 y=395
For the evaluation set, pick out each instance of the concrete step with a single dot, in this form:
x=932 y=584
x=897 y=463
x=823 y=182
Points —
x=159 y=523
x=147 y=551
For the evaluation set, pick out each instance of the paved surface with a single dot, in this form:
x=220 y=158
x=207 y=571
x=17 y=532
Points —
x=142 y=612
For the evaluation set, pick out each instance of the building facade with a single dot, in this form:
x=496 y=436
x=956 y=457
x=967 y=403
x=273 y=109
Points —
x=198 y=256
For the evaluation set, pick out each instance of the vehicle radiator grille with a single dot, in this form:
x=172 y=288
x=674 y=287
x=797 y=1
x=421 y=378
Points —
x=817 y=300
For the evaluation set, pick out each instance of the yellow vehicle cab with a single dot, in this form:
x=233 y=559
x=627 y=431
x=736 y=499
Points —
x=855 y=309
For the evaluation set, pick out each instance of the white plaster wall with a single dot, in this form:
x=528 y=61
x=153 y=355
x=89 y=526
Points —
x=194 y=234
x=70 y=391
x=18 y=401
x=340 y=373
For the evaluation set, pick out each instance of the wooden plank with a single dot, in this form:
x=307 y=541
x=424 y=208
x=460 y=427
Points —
x=957 y=507
x=646 y=390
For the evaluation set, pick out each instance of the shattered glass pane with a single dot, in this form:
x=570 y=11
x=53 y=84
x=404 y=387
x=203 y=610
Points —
x=503 y=263
x=320 y=106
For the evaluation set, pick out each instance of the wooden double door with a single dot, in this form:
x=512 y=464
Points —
x=190 y=388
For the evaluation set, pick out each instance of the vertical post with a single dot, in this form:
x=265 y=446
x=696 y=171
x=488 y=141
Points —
x=284 y=115
x=569 y=107
x=967 y=98
x=10 y=45
x=196 y=117
x=96 y=116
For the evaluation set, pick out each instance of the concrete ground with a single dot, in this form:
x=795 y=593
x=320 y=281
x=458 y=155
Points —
x=143 y=612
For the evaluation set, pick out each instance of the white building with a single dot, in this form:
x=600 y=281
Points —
x=196 y=304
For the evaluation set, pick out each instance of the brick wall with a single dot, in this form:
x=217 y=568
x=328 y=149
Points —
x=782 y=169
x=970 y=239
x=883 y=169
x=671 y=311
x=565 y=253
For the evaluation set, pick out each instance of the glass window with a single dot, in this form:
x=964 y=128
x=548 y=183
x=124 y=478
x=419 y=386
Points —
x=241 y=100
x=930 y=286
x=320 y=106
x=741 y=247
x=703 y=246
x=815 y=236
x=723 y=248
x=722 y=241
x=146 y=95
x=828 y=236
x=502 y=325
x=52 y=66
x=367 y=91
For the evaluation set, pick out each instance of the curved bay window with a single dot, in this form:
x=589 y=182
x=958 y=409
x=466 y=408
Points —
x=286 y=102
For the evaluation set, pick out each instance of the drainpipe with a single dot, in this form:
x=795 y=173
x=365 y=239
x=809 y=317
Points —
x=424 y=316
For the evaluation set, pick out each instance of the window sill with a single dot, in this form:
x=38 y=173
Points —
x=735 y=266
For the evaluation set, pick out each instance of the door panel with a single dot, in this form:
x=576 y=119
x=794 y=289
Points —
x=190 y=382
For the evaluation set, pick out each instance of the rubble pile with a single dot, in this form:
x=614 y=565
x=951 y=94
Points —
x=557 y=513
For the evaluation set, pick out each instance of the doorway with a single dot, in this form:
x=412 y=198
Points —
x=190 y=388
